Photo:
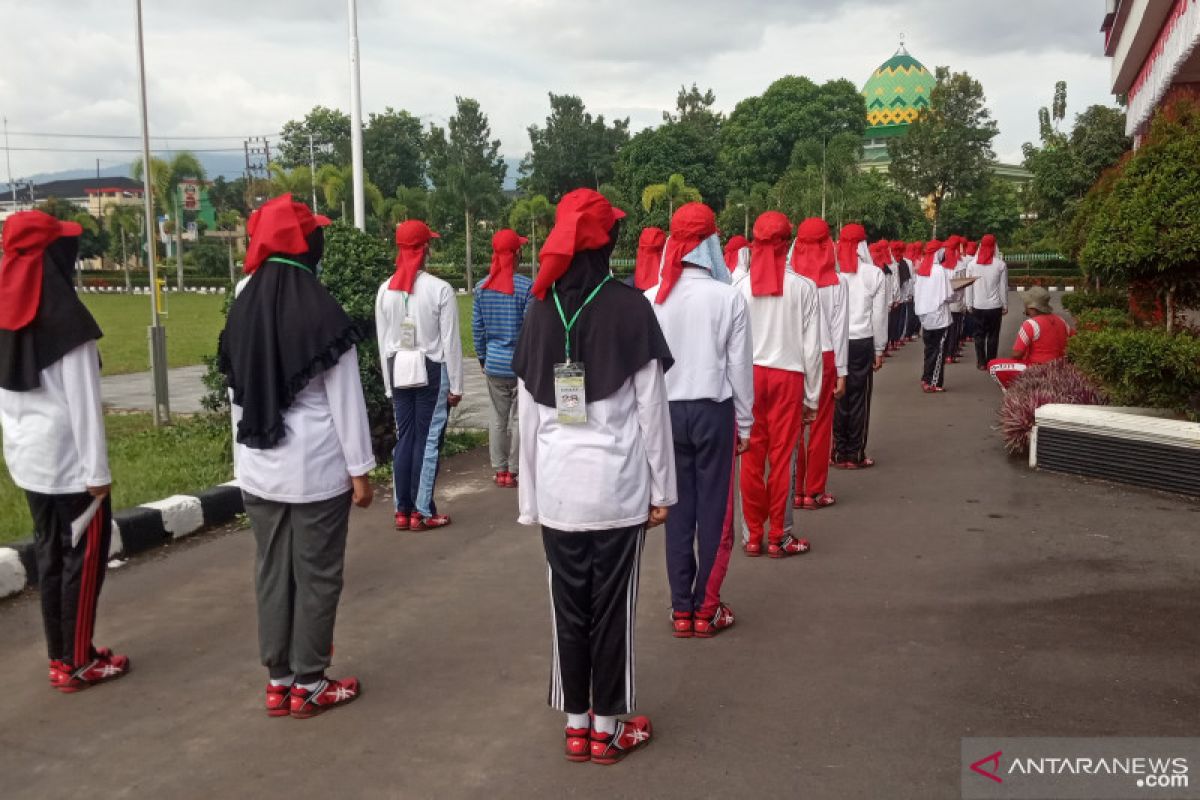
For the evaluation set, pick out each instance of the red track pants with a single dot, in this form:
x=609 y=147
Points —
x=778 y=414
x=812 y=464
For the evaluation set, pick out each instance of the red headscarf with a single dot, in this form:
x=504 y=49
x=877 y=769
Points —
x=280 y=227
x=972 y=247
x=506 y=244
x=583 y=221
x=813 y=257
x=27 y=234
x=733 y=248
x=926 y=267
x=847 y=247
x=880 y=253
x=987 y=250
x=411 y=238
x=768 y=254
x=649 y=257
x=897 y=250
x=953 y=245
x=691 y=225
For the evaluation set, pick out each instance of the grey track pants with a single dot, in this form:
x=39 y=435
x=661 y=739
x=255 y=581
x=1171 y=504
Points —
x=301 y=549
x=503 y=440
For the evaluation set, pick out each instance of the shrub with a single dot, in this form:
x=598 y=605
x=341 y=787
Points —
x=1142 y=366
x=1098 y=319
x=1056 y=382
x=1107 y=299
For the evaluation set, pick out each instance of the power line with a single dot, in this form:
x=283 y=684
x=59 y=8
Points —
x=197 y=137
x=118 y=150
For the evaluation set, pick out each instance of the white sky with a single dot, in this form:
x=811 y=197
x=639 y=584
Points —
x=241 y=67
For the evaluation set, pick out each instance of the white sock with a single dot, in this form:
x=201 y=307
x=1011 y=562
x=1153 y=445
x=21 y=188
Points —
x=288 y=681
x=310 y=687
x=578 y=721
x=605 y=725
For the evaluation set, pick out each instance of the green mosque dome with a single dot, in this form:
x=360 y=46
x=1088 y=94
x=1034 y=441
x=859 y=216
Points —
x=896 y=94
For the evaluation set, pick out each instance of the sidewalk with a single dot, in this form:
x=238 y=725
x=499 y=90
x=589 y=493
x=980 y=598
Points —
x=950 y=593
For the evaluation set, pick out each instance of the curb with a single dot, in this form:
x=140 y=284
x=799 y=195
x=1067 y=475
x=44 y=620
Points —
x=136 y=530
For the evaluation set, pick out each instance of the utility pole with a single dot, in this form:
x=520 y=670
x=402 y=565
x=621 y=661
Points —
x=356 y=141
x=312 y=170
x=158 y=336
x=12 y=187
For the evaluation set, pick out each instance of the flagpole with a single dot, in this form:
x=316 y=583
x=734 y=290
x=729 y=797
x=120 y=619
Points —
x=356 y=142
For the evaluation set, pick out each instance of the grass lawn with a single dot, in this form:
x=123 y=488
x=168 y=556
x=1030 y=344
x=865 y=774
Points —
x=193 y=323
x=147 y=465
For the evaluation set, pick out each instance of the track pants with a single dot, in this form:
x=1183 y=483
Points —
x=955 y=333
x=913 y=322
x=300 y=552
x=421 y=417
x=934 y=372
x=812 y=461
x=699 y=536
x=778 y=416
x=593 y=578
x=895 y=324
x=69 y=578
x=503 y=441
x=987 y=334
x=852 y=418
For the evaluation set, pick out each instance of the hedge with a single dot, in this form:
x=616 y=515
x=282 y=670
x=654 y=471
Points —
x=1142 y=366
x=1109 y=299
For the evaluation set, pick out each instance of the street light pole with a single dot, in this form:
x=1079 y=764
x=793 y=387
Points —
x=356 y=141
x=312 y=171
x=158 y=336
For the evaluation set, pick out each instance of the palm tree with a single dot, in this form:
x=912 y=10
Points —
x=127 y=221
x=476 y=192
x=534 y=212
x=297 y=181
x=675 y=191
x=334 y=183
x=230 y=220
x=165 y=178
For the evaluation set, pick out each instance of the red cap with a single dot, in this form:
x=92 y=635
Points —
x=880 y=253
x=768 y=254
x=691 y=224
x=411 y=237
x=27 y=234
x=649 y=257
x=813 y=257
x=847 y=247
x=506 y=243
x=583 y=221
x=987 y=250
x=280 y=227
x=733 y=247
x=931 y=249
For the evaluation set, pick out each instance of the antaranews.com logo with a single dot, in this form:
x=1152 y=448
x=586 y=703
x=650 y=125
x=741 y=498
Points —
x=1087 y=769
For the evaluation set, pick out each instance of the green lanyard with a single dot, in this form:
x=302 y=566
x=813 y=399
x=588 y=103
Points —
x=283 y=260
x=569 y=325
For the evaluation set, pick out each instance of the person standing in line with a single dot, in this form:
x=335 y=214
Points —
x=955 y=265
x=649 y=258
x=54 y=446
x=420 y=352
x=813 y=258
x=902 y=294
x=931 y=299
x=597 y=467
x=988 y=299
x=970 y=248
x=881 y=255
x=868 y=338
x=711 y=393
x=737 y=256
x=785 y=318
x=913 y=255
x=501 y=300
x=302 y=450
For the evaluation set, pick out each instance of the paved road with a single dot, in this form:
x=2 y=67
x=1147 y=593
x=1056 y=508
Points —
x=951 y=593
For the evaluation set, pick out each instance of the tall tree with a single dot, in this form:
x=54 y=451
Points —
x=675 y=192
x=466 y=169
x=124 y=225
x=393 y=150
x=330 y=131
x=165 y=178
x=994 y=208
x=536 y=215
x=948 y=150
x=574 y=149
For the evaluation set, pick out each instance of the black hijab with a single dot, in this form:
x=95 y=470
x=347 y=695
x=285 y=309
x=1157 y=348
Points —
x=615 y=336
x=905 y=271
x=61 y=324
x=283 y=330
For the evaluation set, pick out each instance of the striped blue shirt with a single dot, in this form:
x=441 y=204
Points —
x=497 y=324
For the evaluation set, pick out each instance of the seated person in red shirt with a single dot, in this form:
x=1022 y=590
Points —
x=1041 y=339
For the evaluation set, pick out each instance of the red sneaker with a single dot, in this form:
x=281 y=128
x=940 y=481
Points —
x=420 y=523
x=500 y=479
x=823 y=500
x=510 y=481
x=789 y=546
x=609 y=748
x=798 y=501
x=707 y=627
x=278 y=697
x=402 y=520
x=807 y=504
x=104 y=667
x=681 y=623
x=579 y=745
x=59 y=672
x=949 y=359
x=752 y=549
x=328 y=694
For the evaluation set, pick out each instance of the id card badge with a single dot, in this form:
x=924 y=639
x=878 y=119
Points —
x=570 y=397
x=408 y=335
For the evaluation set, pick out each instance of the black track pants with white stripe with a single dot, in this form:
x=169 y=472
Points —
x=593 y=579
x=69 y=577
